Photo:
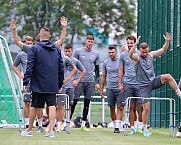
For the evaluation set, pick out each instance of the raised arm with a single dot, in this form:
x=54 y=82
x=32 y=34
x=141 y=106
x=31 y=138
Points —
x=164 y=47
x=63 y=22
x=133 y=56
x=15 y=35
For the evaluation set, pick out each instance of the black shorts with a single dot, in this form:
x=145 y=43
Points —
x=39 y=99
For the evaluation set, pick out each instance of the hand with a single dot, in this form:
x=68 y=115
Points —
x=137 y=41
x=63 y=21
x=167 y=37
x=102 y=94
x=60 y=90
x=66 y=80
x=74 y=83
x=13 y=24
x=21 y=76
x=25 y=88
x=121 y=88
x=97 y=87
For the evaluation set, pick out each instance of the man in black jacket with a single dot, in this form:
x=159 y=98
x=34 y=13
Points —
x=46 y=71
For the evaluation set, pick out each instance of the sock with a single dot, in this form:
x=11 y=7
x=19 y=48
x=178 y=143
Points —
x=114 y=122
x=40 y=122
x=118 y=123
x=59 y=125
x=140 y=124
x=136 y=124
x=145 y=127
x=27 y=121
x=122 y=123
x=178 y=92
x=83 y=123
x=133 y=127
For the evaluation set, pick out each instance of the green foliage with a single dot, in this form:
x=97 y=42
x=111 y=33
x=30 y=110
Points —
x=105 y=16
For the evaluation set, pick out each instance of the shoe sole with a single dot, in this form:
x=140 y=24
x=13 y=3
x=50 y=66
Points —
x=26 y=135
x=49 y=136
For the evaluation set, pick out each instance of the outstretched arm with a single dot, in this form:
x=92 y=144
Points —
x=179 y=85
x=63 y=22
x=133 y=56
x=15 y=35
x=164 y=47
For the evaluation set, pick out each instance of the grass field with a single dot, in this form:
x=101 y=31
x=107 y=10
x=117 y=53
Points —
x=103 y=136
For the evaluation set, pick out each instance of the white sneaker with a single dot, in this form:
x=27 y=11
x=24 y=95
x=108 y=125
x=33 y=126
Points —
x=27 y=133
x=121 y=129
x=49 y=134
x=178 y=134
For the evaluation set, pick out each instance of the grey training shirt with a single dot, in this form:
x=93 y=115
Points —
x=144 y=70
x=68 y=66
x=111 y=68
x=21 y=58
x=88 y=59
x=128 y=65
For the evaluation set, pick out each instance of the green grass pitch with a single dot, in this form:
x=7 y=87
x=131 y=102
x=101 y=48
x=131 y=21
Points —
x=101 y=136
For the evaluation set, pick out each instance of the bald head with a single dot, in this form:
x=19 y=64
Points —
x=144 y=49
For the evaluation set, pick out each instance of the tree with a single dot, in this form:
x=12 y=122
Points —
x=104 y=16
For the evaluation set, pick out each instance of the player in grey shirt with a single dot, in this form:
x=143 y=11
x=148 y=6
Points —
x=110 y=70
x=69 y=70
x=21 y=59
x=146 y=76
x=89 y=58
x=129 y=86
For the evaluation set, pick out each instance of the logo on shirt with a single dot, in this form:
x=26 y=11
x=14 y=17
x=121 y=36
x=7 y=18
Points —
x=148 y=62
x=108 y=67
x=83 y=56
x=92 y=56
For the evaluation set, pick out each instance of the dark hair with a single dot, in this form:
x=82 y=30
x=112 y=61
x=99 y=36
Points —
x=144 y=45
x=112 y=47
x=90 y=37
x=68 y=46
x=131 y=37
x=28 y=38
x=37 y=38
